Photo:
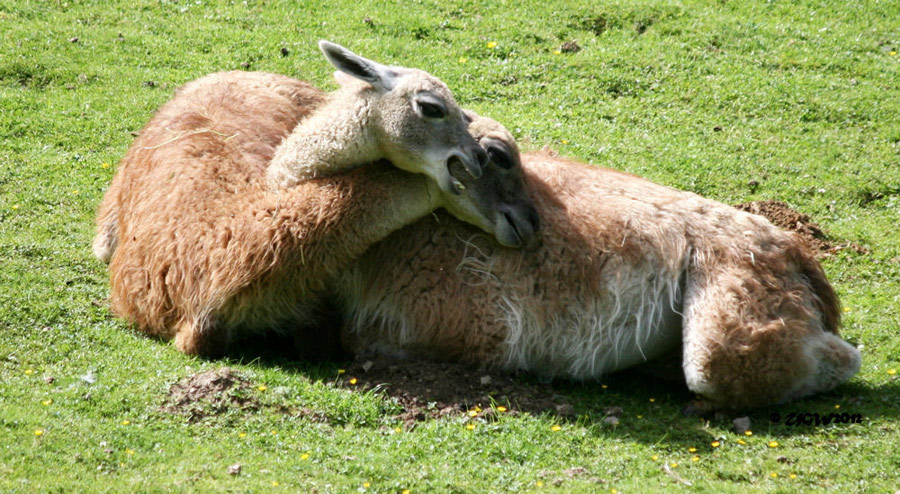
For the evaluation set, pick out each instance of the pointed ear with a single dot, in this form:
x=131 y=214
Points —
x=381 y=77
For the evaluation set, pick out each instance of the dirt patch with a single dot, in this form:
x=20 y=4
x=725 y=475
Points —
x=426 y=389
x=209 y=393
x=786 y=218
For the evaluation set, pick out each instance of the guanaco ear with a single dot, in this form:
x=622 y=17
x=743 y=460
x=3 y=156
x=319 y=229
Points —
x=381 y=77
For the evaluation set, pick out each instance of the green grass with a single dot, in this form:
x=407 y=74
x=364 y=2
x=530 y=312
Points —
x=801 y=97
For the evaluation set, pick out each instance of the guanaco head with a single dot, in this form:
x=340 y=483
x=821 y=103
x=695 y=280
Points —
x=497 y=202
x=413 y=116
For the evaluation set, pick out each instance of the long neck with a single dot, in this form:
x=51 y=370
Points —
x=337 y=137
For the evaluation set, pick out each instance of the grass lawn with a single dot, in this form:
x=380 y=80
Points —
x=737 y=101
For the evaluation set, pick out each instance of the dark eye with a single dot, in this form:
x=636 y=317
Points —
x=431 y=110
x=500 y=157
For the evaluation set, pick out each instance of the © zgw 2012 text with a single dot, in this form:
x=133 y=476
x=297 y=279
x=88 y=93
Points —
x=812 y=418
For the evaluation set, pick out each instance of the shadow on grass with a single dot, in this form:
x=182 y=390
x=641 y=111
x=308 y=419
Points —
x=646 y=408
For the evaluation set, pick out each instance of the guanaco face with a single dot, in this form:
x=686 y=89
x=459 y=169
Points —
x=413 y=117
x=498 y=201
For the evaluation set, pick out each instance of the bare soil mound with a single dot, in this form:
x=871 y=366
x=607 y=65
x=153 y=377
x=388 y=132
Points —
x=786 y=218
x=426 y=389
x=209 y=393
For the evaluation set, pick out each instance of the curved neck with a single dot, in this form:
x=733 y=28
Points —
x=337 y=137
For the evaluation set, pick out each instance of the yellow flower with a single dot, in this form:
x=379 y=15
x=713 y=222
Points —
x=837 y=406
x=274 y=432
x=773 y=444
x=262 y=387
x=748 y=433
x=304 y=456
x=492 y=44
x=46 y=402
x=501 y=409
x=773 y=475
x=275 y=483
x=472 y=413
x=129 y=451
x=566 y=141
x=74 y=192
x=893 y=53
x=15 y=206
x=846 y=309
x=673 y=465
x=654 y=457
x=891 y=372
x=366 y=485
x=39 y=432
x=557 y=52
x=29 y=372
x=471 y=427
x=126 y=422
x=405 y=491
x=695 y=458
x=463 y=59
x=692 y=450
x=242 y=434
x=741 y=442
x=341 y=371
x=715 y=444
x=105 y=165
x=613 y=491
x=556 y=428
x=398 y=429
x=352 y=380
x=603 y=386
x=539 y=483
x=652 y=400
x=640 y=416
x=478 y=409
x=793 y=476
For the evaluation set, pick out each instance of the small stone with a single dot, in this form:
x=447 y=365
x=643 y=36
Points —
x=485 y=380
x=613 y=411
x=368 y=20
x=740 y=425
x=73 y=39
x=49 y=379
x=570 y=47
x=565 y=410
x=782 y=459
x=611 y=421
x=234 y=469
x=89 y=378
x=245 y=65
x=367 y=366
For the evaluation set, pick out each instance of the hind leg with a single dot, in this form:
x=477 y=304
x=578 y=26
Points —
x=749 y=344
x=201 y=337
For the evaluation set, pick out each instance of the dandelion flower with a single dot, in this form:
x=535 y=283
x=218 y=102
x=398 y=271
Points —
x=275 y=483
x=341 y=371
x=695 y=458
x=262 y=387
x=501 y=409
x=773 y=444
x=673 y=465
x=652 y=400
x=741 y=442
x=603 y=386
x=405 y=491
x=242 y=434
x=471 y=427
x=715 y=444
x=39 y=432
x=15 y=206
x=891 y=372
x=129 y=451
x=566 y=141
x=640 y=416
x=29 y=372
x=463 y=59
x=654 y=457
x=557 y=52
x=398 y=429
x=473 y=413
x=556 y=428
x=126 y=422
x=748 y=433
x=105 y=165
x=46 y=402
x=352 y=380
x=692 y=450
x=773 y=475
x=837 y=406
x=893 y=53
x=366 y=485
x=75 y=192
x=304 y=456
x=492 y=44
x=539 y=483
x=793 y=476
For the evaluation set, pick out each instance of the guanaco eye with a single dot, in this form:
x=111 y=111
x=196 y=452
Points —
x=431 y=110
x=500 y=157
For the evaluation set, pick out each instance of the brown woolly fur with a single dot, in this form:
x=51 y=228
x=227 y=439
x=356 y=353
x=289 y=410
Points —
x=624 y=271
x=199 y=247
